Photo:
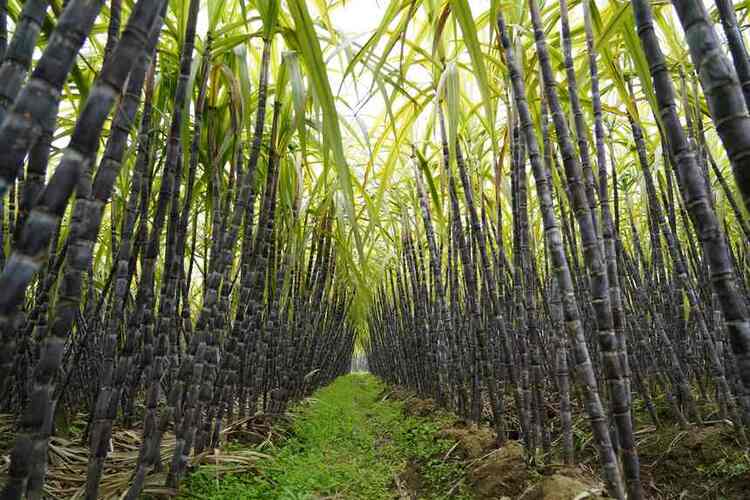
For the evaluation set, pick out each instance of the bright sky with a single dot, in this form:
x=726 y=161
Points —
x=356 y=20
x=358 y=17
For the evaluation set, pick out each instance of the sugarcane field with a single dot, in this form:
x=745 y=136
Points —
x=374 y=249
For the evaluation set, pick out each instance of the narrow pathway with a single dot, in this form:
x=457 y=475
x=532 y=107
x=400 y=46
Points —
x=358 y=440
x=347 y=442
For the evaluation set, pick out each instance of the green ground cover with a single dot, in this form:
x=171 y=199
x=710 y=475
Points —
x=347 y=442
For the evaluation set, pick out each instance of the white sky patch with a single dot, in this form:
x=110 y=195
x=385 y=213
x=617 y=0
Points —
x=362 y=104
x=358 y=17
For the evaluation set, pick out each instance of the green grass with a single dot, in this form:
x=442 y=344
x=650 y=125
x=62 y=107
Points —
x=346 y=443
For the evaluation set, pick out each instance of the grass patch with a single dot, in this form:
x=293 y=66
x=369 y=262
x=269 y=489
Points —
x=346 y=443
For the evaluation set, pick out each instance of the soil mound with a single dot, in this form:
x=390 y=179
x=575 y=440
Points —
x=472 y=442
x=419 y=407
x=502 y=473
x=694 y=463
x=560 y=487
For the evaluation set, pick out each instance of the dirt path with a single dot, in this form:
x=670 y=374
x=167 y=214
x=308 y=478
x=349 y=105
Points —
x=347 y=442
x=357 y=439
